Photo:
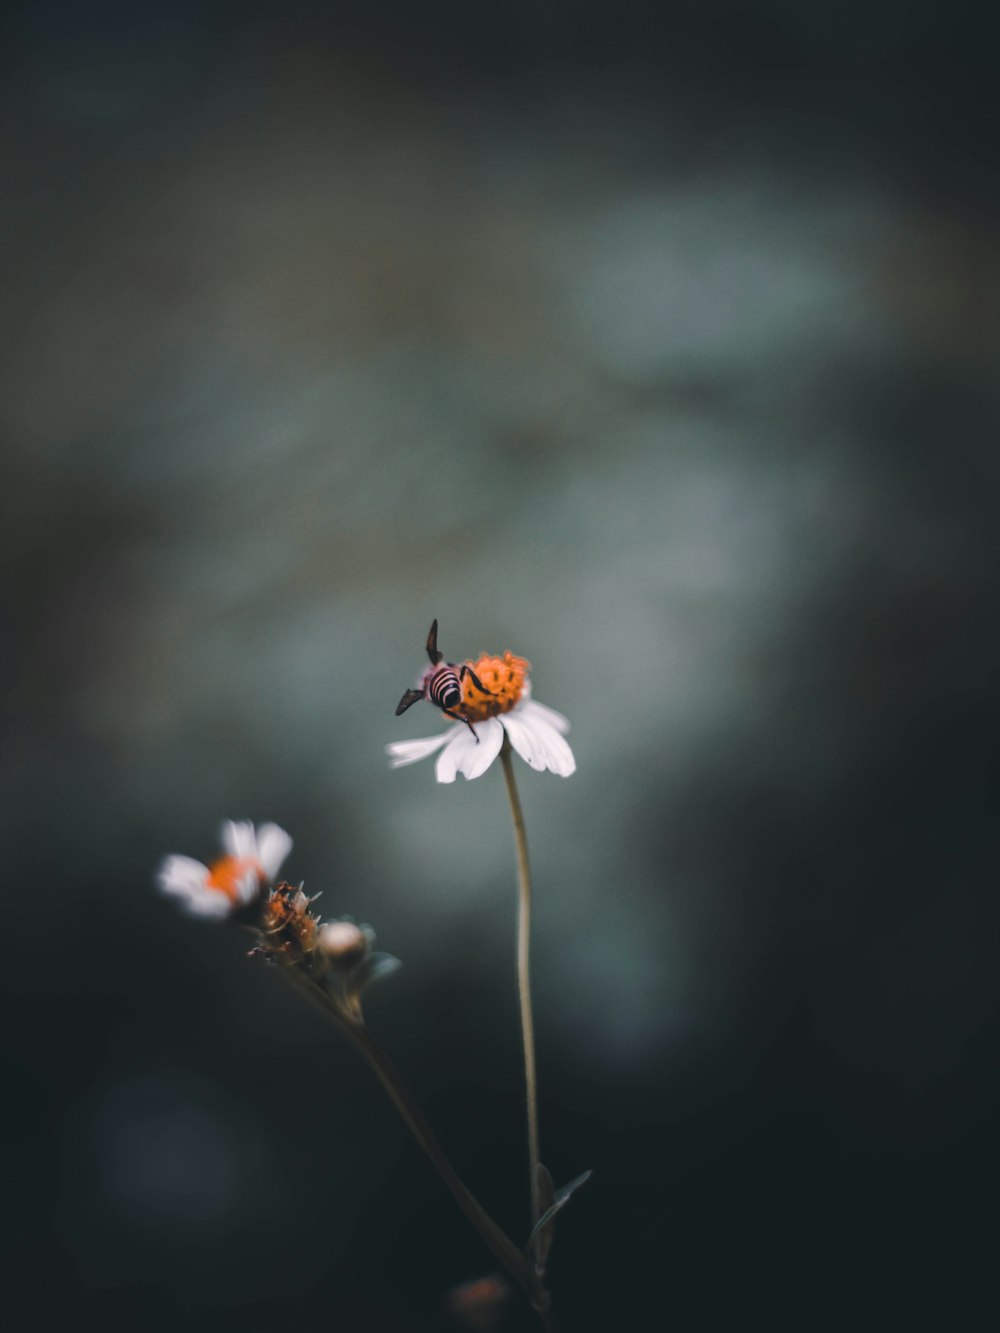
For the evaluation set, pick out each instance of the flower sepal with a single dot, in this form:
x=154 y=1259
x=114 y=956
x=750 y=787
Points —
x=376 y=967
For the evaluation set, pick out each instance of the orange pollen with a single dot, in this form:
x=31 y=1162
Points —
x=228 y=873
x=504 y=677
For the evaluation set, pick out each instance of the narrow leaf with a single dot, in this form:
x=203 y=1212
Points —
x=546 y=1198
x=543 y=1228
x=546 y=1189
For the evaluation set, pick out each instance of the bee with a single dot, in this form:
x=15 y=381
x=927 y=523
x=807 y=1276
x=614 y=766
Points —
x=441 y=684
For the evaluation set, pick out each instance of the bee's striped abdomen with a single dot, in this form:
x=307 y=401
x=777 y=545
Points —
x=443 y=688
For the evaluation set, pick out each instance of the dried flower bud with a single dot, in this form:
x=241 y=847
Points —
x=288 y=927
x=344 y=943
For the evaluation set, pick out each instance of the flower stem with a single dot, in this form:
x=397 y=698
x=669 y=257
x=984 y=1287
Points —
x=524 y=980
x=403 y=1100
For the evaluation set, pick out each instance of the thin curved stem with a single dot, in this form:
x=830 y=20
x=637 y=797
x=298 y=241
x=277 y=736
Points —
x=524 y=980
x=403 y=1100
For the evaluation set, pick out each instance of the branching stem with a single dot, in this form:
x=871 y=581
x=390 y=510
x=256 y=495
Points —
x=399 y=1094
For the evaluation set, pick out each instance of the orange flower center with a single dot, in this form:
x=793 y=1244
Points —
x=503 y=677
x=229 y=872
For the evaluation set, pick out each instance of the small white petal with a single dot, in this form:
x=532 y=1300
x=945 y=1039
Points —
x=182 y=875
x=531 y=708
x=561 y=759
x=525 y=742
x=478 y=759
x=540 y=745
x=212 y=903
x=452 y=757
x=187 y=879
x=248 y=885
x=468 y=755
x=409 y=752
x=239 y=839
x=273 y=845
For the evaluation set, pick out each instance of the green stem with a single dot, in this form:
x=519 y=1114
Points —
x=401 y=1097
x=524 y=980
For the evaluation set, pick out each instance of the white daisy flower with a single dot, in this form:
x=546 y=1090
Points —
x=503 y=706
x=252 y=859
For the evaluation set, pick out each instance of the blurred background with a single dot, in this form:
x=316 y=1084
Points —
x=656 y=343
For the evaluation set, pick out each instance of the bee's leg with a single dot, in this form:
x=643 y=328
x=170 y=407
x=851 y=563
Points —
x=460 y=717
x=465 y=670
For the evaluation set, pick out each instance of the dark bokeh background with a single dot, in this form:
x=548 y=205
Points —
x=657 y=343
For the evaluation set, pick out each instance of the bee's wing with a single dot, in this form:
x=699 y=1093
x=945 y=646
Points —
x=432 y=645
x=408 y=700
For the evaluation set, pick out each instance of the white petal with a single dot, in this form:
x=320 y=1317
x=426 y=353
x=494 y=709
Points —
x=453 y=755
x=248 y=886
x=182 y=875
x=561 y=759
x=187 y=879
x=531 y=708
x=239 y=839
x=478 y=760
x=273 y=845
x=539 y=744
x=212 y=903
x=468 y=755
x=525 y=742
x=409 y=752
